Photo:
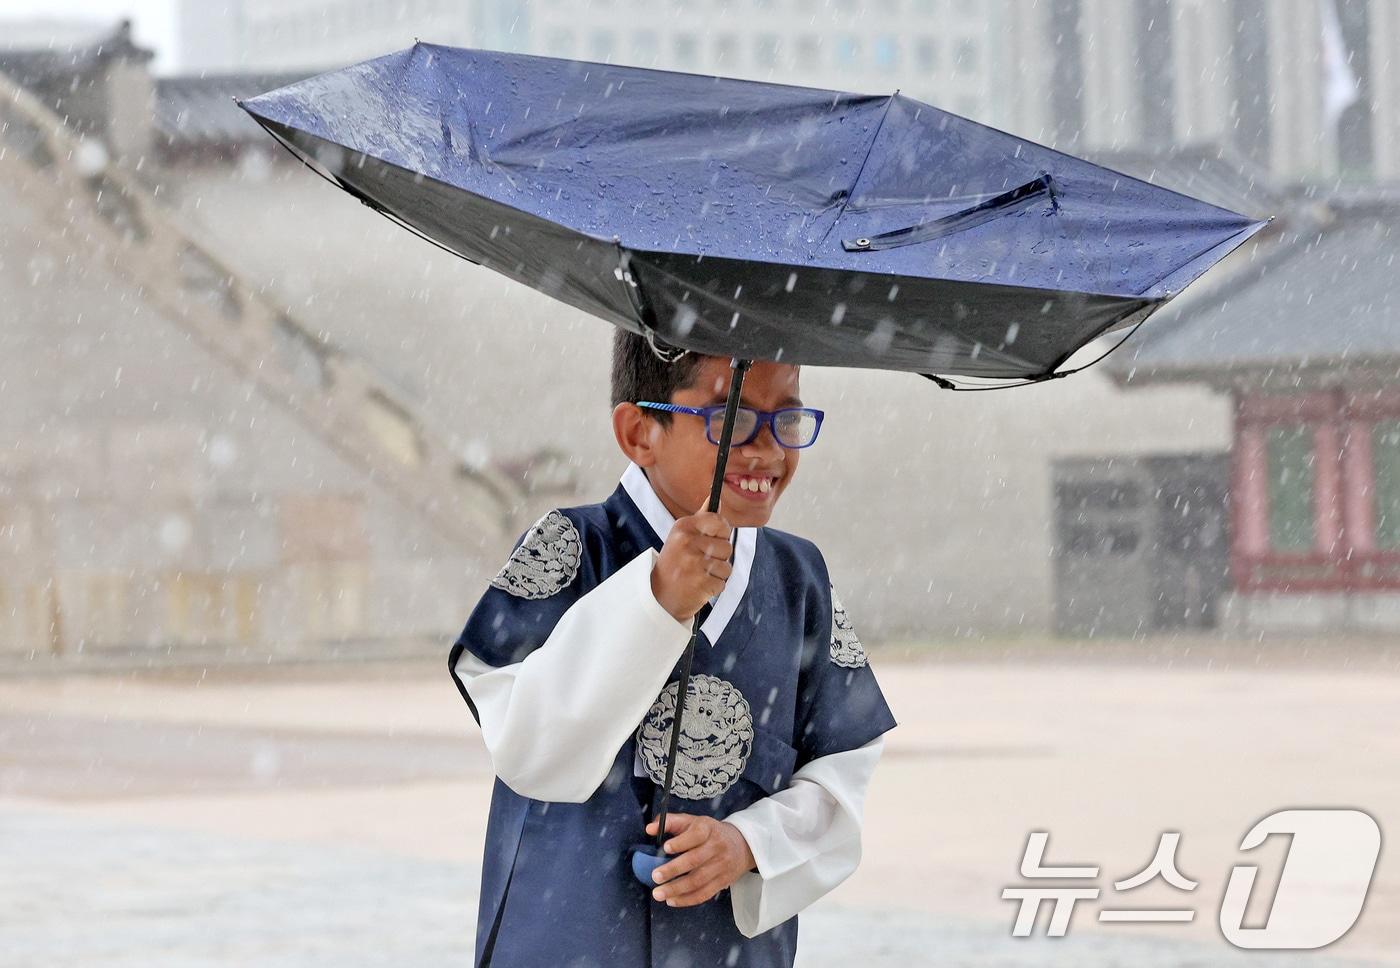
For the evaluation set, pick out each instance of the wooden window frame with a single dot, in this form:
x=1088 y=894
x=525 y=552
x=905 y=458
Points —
x=1344 y=556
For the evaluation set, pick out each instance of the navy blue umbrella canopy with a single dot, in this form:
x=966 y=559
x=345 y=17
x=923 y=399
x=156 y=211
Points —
x=754 y=220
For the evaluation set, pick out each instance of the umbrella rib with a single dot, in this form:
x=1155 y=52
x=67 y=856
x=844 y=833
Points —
x=646 y=317
x=1243 y=235
x=1052 y=374
x=355 y=193
x=859 y=171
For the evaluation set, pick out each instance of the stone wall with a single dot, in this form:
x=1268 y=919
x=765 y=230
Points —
x=151 y=500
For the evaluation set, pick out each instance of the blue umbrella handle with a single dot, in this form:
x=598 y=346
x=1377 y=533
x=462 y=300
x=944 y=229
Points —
x=645 y=859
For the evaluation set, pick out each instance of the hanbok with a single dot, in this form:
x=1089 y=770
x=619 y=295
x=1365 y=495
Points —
x=570 y=667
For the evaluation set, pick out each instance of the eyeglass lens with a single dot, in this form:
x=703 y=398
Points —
x=793 y=428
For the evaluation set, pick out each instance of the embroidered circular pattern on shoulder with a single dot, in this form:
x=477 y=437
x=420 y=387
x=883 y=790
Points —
x=546 y=560
x=846 y=649
x=715 y=743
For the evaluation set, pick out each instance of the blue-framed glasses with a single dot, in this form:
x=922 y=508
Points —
x=793 y=427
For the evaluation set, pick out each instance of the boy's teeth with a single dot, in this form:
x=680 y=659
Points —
x=754 y=484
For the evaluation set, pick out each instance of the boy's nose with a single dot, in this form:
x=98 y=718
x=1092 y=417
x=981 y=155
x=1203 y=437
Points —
x=764 y=446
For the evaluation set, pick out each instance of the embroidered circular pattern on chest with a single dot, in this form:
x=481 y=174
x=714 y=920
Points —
x=545 y=561
x=846 y=649
x=715 y=743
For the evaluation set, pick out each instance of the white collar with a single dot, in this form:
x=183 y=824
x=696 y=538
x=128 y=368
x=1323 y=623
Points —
x=639 y=489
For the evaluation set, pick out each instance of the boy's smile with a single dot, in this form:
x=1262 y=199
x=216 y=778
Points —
x=680 y=461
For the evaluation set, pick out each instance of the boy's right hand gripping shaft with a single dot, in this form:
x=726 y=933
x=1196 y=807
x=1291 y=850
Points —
x=693 y=565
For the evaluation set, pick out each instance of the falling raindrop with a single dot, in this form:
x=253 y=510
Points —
x=684 y=320
x=881 y=336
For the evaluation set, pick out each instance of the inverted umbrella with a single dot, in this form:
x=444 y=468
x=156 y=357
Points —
x=755 y=221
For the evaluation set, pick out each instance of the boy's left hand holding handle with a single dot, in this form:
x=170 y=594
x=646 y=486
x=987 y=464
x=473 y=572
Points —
x=712 y=856
x=693 y=564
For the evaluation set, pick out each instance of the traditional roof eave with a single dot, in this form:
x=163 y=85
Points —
x=1346 y=331
x=1213 y=172
x=29 y=62
x=199 y=113
x=1266 y=375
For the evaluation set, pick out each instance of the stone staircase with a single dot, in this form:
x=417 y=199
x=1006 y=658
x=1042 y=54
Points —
x=118 y=221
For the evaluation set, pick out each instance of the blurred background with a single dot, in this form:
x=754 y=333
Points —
x=261 y=450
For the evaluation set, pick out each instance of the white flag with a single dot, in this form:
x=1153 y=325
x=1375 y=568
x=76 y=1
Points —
x=1340 y=88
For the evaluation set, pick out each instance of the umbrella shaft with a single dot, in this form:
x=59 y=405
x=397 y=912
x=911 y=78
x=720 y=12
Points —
x=731 y=409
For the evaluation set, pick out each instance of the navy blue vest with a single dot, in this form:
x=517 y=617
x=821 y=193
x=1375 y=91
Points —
x=782 y=686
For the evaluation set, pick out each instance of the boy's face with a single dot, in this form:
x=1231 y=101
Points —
x=680 y=461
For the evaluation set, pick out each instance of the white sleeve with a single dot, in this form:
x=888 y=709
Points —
x=805 y=838
x=553 y=722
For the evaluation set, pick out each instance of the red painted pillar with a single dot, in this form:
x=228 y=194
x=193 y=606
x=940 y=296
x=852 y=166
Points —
x=1249 y=498
x=1358 y=472
x=1327 y=490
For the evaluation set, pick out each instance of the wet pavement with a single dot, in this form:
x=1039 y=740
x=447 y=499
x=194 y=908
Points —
x=73 y=758
x=79 y=894
x=300 y=819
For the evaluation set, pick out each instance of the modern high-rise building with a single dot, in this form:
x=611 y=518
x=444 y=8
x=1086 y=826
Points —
x=1305 y=89
x=210 y=36
x=940 y=50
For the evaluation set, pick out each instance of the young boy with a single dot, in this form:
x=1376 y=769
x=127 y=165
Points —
x=570 y=663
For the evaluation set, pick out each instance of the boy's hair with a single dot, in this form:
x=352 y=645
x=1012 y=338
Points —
x=639 y=374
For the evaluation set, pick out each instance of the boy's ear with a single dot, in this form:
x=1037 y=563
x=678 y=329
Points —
x=635 y=433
